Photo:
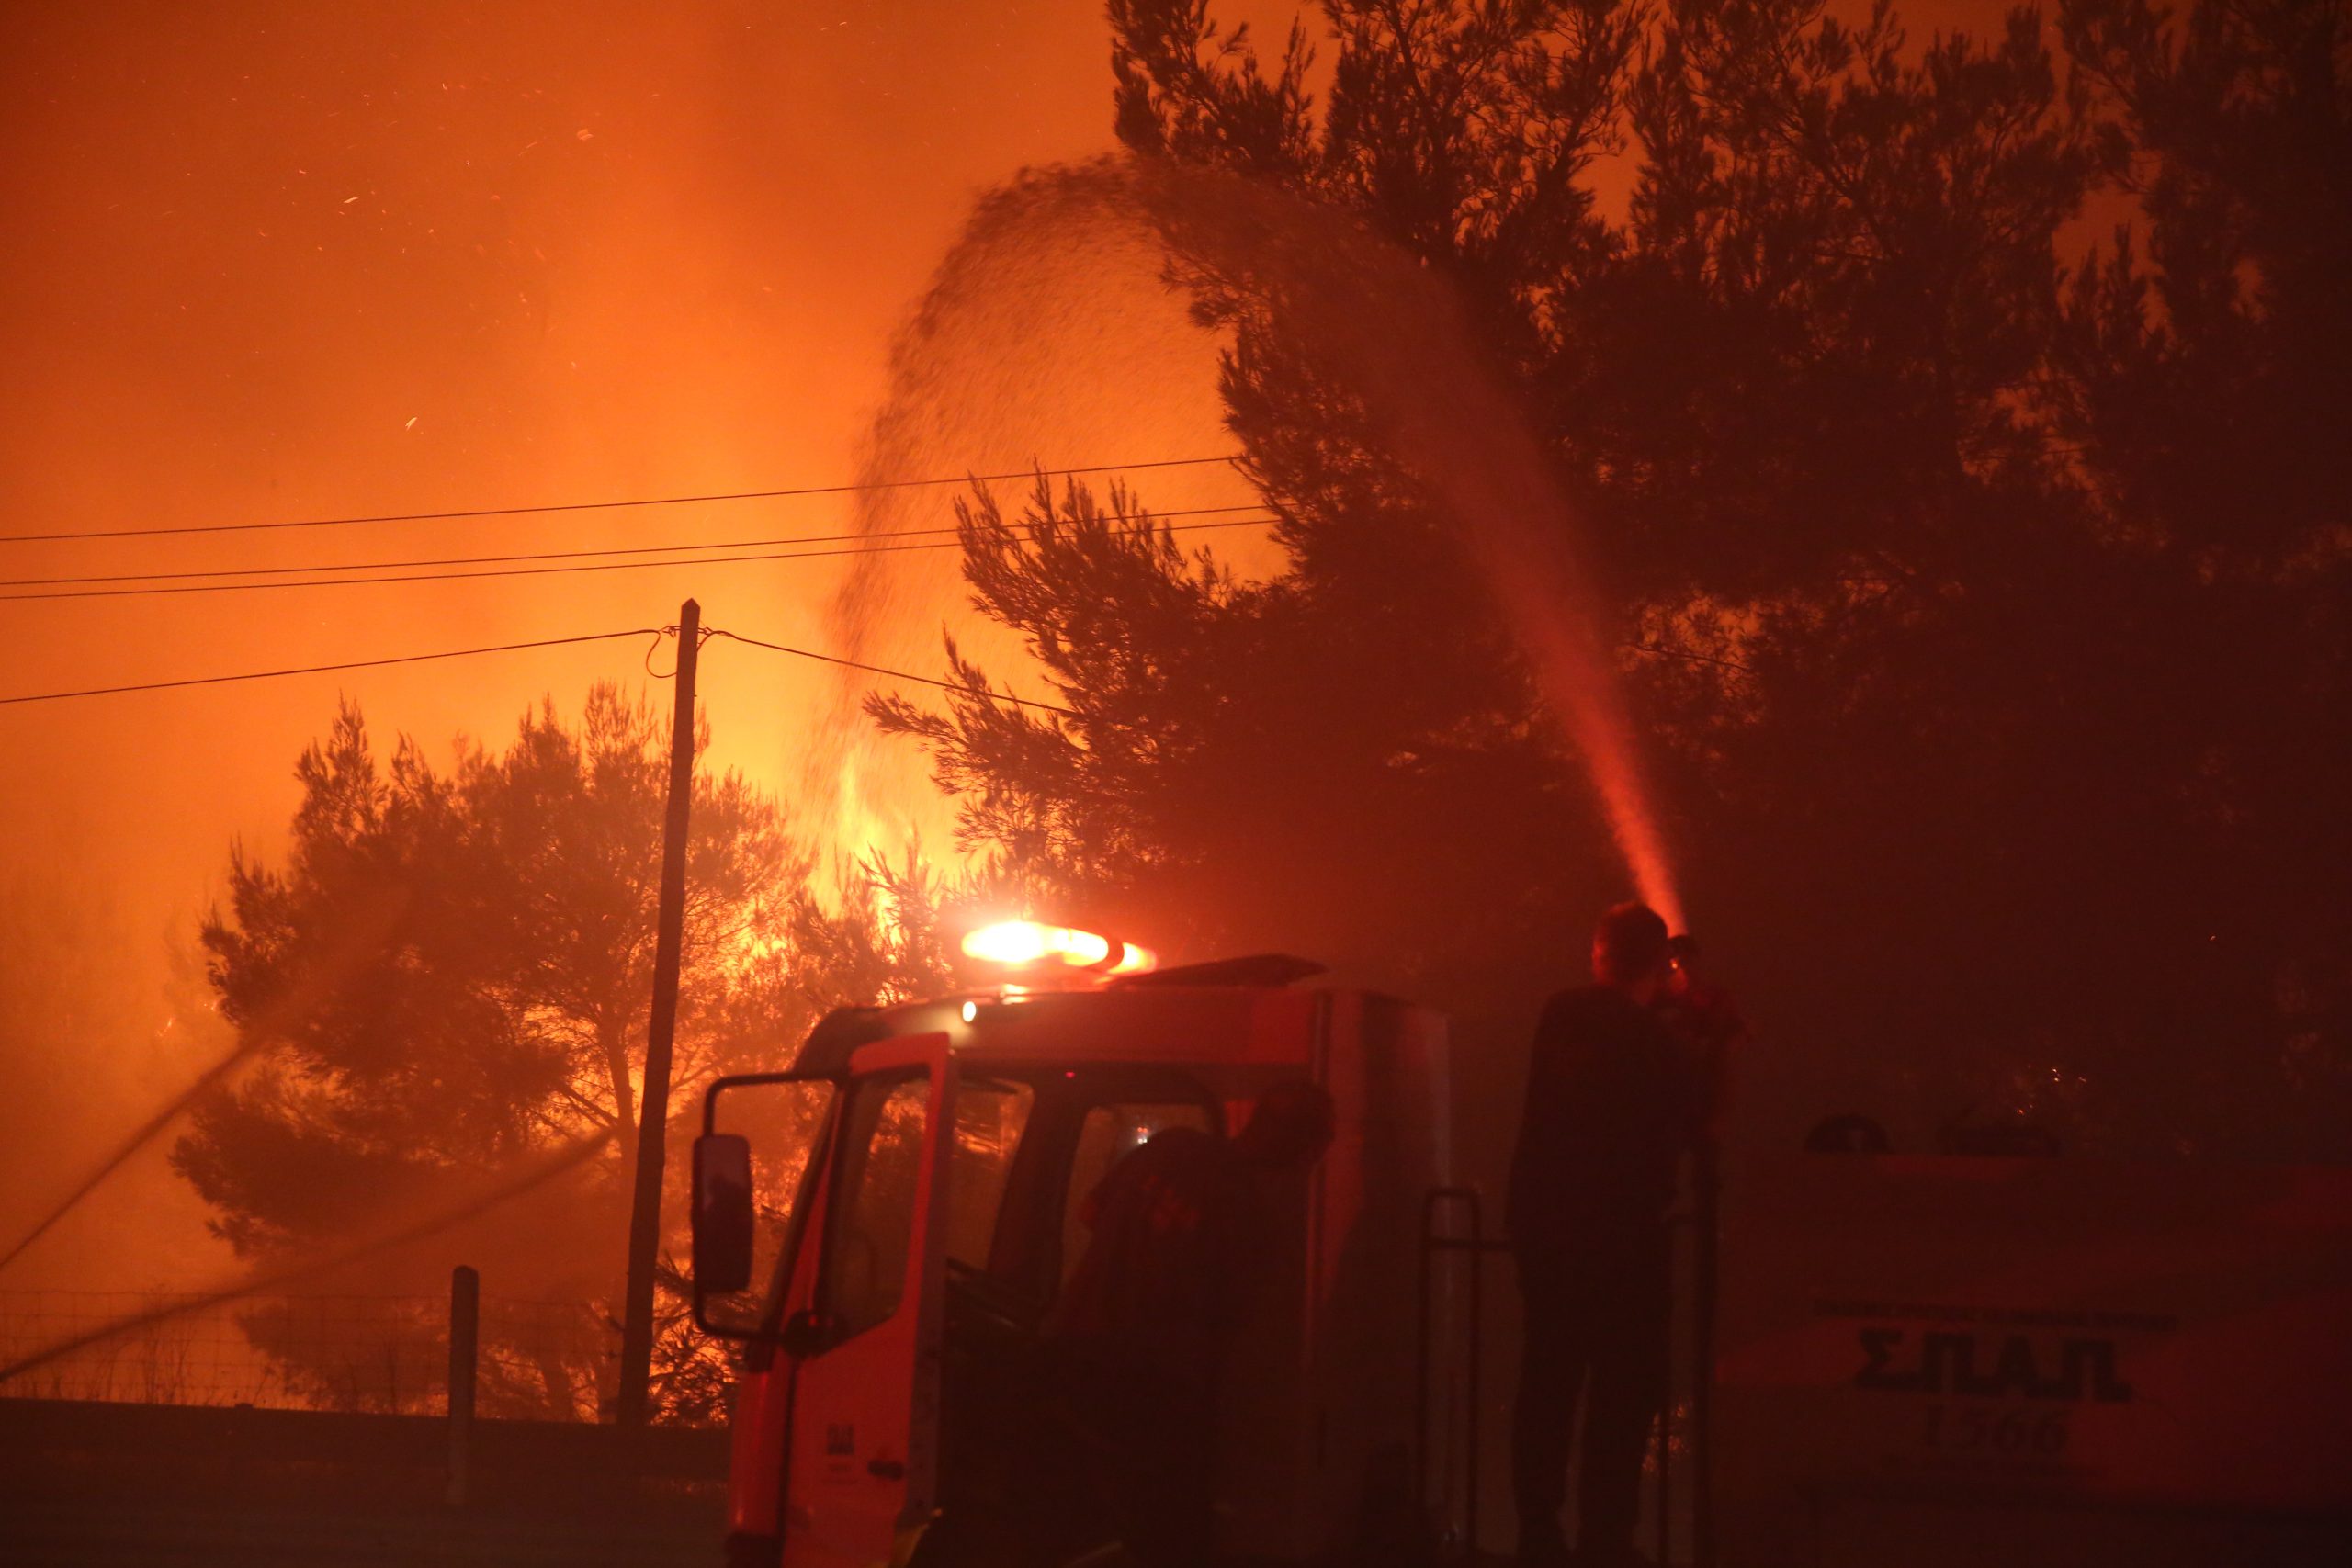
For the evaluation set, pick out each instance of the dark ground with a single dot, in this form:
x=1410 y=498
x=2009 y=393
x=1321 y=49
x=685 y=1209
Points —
x=88 y=1483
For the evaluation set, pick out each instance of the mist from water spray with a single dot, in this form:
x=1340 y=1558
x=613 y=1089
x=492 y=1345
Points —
x=1047 y=335
x=129 y=1145
x=473 y=1196
x=483 y=1196
x=1066 y=275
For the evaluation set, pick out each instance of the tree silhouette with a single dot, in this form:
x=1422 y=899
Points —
x=452 y=973
x=1983 y=590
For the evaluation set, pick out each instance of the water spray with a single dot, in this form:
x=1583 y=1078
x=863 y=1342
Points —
x=132 y=1145
x=1358 y=311
x=570 y=1156
x=266 y=1027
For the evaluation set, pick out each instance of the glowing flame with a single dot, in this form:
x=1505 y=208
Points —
x=1021 y=944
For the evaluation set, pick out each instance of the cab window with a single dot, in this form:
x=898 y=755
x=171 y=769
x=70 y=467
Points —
x=1108 y=1133
x=785 y=1123
x=990 y=1117
x=870 y=1215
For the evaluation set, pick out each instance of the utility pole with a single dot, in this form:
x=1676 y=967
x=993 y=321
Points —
x=653 y=1109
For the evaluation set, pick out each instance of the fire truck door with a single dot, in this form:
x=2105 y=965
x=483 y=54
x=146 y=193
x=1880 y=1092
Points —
x=861 y=1478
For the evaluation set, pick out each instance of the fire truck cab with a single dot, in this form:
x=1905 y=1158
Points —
x=887 y=1223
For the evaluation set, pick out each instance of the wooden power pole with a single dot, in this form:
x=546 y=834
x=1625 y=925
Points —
x=653 y=1109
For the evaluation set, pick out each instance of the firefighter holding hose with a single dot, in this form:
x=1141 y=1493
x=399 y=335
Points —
x=1616 y=1095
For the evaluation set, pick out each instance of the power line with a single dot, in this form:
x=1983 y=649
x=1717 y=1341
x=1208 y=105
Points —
x=608 y=505
x=543 y=642
x=547 y=571
x=574 y=554
x=657 y=633
x=898 y=674
x=322 y=669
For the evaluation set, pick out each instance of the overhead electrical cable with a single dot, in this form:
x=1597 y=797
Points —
x=896 y=674
x=323 y=668
x=562 y=506
x=582 y=554
x=548 y=571
x=543 y=642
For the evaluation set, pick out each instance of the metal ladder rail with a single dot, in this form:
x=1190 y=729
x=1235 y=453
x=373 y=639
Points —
x=1474 y=1247
x=1706 y=1283
x=1701 y=1220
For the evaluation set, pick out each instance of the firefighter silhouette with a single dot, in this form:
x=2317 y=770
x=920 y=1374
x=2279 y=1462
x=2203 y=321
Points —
x=1137 y=1342
x=1614 y=1099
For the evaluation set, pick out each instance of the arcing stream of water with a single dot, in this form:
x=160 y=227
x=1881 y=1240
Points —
x=1084 y=278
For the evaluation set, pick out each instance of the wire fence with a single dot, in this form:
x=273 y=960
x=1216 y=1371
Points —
x=543 y=1360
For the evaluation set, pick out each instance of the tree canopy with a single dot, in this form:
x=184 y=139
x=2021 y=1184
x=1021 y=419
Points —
x=451 y=973
x=1955 y=427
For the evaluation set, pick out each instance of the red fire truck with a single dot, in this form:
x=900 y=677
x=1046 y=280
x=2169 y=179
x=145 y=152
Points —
x=891 y=1284
x=1924 y=1359
x=1946 y=1360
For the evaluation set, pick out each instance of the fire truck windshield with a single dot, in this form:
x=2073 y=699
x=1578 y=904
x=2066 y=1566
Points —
x=990 y=1117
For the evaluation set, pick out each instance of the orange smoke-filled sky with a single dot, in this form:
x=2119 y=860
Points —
x=279 y=261
x=286 y=261
x=292 y=261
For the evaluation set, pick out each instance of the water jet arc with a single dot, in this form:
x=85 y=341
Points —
x=1359 y=313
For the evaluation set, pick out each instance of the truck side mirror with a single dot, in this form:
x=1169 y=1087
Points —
x=723 y=1220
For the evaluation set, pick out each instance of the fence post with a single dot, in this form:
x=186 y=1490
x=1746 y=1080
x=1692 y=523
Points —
x=465 y=1320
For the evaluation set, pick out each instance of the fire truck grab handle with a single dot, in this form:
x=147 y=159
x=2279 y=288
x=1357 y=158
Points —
x=885 y=1469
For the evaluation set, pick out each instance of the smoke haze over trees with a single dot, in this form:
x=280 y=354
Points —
x=450 y=976
x=1983 y=593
